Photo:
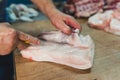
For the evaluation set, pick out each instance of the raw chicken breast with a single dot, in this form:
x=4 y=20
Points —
x=80 y=57
x=108 y=21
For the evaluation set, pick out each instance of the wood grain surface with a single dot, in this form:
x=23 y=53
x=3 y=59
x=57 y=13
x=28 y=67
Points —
x=106 y=61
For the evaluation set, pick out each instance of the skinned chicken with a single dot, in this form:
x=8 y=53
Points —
x=71 y=50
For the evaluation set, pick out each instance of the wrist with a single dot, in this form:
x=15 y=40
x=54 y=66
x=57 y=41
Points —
x=50 y=12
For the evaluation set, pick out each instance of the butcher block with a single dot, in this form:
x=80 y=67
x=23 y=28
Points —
x=106 y=60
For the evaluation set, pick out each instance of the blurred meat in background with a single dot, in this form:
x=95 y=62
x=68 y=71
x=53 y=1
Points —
x=86 y=8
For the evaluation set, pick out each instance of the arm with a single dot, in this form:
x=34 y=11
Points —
x=46 y=6
x=60 y=20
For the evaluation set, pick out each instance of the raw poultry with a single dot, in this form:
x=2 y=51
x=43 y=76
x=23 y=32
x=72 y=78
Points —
x=108 y=21
x=71 y=50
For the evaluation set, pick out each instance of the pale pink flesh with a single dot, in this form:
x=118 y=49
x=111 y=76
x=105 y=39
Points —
x=108 y=21
x=74 y=56
x=59 y=37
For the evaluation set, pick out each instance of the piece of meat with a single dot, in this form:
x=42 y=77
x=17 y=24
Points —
x=86 y=8
x=114 y=26
x=83 y=8
x=75 y=56
x=112 y=5
x=100 y=20
x=59 y=37
x=108 y=21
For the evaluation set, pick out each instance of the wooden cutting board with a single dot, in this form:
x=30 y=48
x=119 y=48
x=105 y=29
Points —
x=106 y=61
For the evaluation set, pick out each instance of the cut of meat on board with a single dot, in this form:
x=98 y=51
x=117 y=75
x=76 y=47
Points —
x=59 y=37
x=80 y=57
x=108 y=21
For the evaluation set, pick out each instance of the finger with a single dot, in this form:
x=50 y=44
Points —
x=28 y=38
x=63 y=27
x=21 y=45
x=72 y=23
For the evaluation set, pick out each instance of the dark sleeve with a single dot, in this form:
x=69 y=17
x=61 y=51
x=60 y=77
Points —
x=3 y=4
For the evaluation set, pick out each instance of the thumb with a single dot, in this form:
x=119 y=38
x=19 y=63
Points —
x=22 y=45
x=28 y=38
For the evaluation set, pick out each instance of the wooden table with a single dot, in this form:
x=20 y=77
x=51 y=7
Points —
x=106 y=61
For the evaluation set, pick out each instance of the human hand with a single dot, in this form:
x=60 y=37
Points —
x=9 y=38
x=63 y=22
x=25 y=40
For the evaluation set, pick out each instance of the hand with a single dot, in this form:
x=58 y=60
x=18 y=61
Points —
x=9 y=38
x=60 y=20
x=25 y=40
x=63 y=22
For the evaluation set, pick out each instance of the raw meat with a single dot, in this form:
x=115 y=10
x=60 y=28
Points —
x=108 y=21
x=112 y=4
x=80 y=57
x=86 y=8
x=59 y=37
x=83 y=8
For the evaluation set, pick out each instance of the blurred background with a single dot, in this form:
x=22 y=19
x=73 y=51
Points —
x=12 y=11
